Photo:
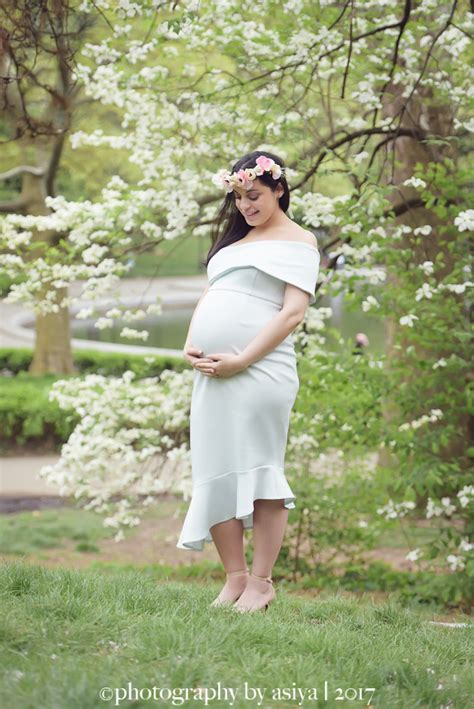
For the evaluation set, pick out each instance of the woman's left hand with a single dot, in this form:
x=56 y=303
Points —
x=220 y=364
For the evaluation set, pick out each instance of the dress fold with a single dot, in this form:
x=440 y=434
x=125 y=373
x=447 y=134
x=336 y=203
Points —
x=231 y=495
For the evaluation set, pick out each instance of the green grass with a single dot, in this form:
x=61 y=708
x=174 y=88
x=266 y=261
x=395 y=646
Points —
x=76 y=538
x=29 y=532
x=66 y=634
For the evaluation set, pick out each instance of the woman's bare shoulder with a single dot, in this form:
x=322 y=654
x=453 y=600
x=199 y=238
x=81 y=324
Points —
x=300 y=234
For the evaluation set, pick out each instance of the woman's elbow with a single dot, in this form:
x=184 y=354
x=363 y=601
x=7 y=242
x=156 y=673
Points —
x=295 y=316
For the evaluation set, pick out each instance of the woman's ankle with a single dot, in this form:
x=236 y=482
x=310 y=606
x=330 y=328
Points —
x=263 y=577
x=239 y=572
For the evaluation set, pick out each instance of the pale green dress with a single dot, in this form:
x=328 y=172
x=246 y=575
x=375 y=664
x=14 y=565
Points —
x=239 y=424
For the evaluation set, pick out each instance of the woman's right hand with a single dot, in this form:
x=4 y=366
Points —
x=192 y=354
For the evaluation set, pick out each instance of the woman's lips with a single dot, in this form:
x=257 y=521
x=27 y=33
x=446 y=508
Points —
x=251 y=215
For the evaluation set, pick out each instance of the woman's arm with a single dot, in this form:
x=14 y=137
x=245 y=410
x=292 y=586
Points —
x=188 y=342
x=278 y=328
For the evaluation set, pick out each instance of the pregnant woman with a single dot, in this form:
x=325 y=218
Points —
x=262 y=272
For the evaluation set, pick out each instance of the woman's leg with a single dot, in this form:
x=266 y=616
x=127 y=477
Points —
x=269 y=524
x=228 y=537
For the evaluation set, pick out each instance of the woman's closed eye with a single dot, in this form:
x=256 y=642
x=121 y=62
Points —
x=252 y=199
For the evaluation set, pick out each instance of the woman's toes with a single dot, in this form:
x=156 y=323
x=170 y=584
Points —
x=257 y=594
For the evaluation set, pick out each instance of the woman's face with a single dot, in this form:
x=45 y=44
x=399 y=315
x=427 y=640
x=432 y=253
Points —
x=258 y=203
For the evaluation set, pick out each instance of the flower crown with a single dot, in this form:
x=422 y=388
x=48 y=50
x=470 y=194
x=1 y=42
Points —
x=243 y=178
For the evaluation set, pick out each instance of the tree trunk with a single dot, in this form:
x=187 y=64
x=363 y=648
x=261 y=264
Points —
x=53 y=351
x=424 y=115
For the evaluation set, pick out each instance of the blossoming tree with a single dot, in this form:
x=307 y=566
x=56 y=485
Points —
x=369 y=107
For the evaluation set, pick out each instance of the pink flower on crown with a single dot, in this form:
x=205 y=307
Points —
x=244 y=178
x=265 y=163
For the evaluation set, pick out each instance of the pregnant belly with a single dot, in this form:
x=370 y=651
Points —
x=226 y=321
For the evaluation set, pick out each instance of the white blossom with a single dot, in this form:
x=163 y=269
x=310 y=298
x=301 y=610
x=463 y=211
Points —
x=426 y=291
x=369 y=302
x=408 y=320
x=394 y=510
x=457 y=288
x=466 y=495
x=414 y=555
x=455 y=562
x=446 y=508
x=424 y=230
x=465 y=220
x=427 y=267
x=132 y=334
x=465 y=545
x=416 y=182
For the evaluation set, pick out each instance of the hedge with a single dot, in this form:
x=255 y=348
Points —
x=17 y=360
x=27 y=418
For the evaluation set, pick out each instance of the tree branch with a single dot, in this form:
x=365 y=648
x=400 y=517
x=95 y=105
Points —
x=410 y=132
x=21 y=170
x=398 y=209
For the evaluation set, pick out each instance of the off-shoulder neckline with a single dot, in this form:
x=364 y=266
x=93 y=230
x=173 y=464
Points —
x=270 y=241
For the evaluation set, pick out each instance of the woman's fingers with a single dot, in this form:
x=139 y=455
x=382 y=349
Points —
x=205 y=369
x=205 y=364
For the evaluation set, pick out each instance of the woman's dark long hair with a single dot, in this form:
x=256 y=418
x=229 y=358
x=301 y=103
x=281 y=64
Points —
x=231 y=225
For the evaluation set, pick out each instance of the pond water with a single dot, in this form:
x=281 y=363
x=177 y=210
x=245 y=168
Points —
x=170 y=328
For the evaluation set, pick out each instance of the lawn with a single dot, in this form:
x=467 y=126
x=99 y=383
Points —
x=68 y=633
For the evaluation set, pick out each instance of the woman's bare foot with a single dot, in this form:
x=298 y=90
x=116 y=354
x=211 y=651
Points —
x=233 y=588
x=258 y=593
